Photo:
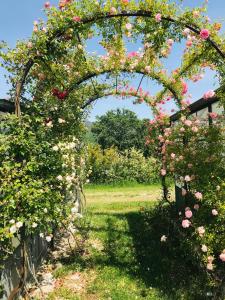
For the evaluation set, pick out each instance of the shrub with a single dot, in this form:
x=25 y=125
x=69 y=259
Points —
x=112 y=166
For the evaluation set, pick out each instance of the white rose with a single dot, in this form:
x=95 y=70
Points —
x=74 y=210
x=204 y=248
x=55 y=148
x=80 y=216
x=61 y=121
x=19 y=224
x=13 y=229
x=60 y=178
x=48 y=238
x=163 y=238
x=34 y=225
x=49 y=124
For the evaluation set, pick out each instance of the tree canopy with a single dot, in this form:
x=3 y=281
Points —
x=120 y=128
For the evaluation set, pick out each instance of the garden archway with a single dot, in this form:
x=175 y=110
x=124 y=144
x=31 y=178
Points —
x=73 y=20
x=54 y=69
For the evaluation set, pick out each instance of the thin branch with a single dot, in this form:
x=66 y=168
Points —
x=140 y=83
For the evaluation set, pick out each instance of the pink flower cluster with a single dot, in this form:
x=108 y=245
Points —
x=222 y=256
x=204 y=34
x=133 y=54
x=213 y=115
x=209 y=94
x=198 y=195
x=158 y=17
x=188 y=213
x=184 y=88
x=47 y=5
x=186 y=223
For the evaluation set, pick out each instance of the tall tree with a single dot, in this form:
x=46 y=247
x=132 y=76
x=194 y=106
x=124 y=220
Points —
x=120 y=128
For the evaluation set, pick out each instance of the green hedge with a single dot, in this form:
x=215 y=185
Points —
x=112 y=166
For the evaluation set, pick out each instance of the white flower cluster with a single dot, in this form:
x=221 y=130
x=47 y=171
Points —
x=15 y=226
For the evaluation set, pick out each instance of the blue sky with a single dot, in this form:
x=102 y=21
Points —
x=16 y=22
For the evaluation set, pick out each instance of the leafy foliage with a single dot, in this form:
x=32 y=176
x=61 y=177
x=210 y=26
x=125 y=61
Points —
x=113 y=166
x=121 y=129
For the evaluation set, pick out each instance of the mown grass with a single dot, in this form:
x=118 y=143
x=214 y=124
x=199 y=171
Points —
x=118 y=262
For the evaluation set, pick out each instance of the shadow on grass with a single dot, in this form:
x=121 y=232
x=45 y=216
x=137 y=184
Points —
x=162 y=265
x=132 y=244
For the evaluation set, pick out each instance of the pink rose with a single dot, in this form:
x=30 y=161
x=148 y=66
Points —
x=188 y=122
x=128 y=26
x=198 y=195
x=188 y=214
x=125 y=1
x=184 y=88
x=132 y=54
x=209 y=94
x=187 y=178
x=158 y=17
x=213 y=115
x=222 y=256
x=189 y=43
x=170 y=42
x=76 y=19
x=183 y=192
x=47 y=5
x=163 y=172
x=204 y=34
x=194 y=129
x=196 y=206
x=186 y=223
x=113 y=10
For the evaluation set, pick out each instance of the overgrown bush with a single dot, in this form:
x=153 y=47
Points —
x=193 y=154
x=177 y=256
x=112 y=166
x=37 y=177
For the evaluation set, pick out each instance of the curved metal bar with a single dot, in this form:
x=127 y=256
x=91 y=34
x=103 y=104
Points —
x=152 y=75
x=57 y=34
x=96 y=97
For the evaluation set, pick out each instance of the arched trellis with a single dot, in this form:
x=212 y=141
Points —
x=81 y=83
x=152 y=75
x=114 y=92
x=94 y=19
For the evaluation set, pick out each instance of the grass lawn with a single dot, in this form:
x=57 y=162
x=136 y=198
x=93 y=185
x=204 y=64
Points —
x=115 y=266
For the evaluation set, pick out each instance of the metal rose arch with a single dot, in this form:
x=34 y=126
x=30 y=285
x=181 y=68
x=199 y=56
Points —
x=74 y=19
x=55 y=78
